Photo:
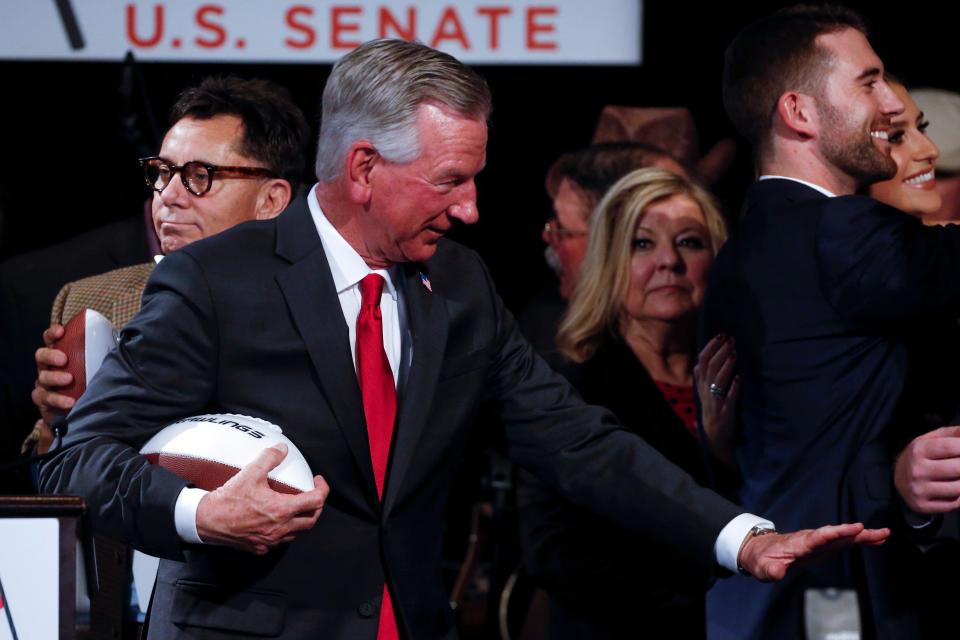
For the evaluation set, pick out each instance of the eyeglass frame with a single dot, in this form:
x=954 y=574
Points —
x=244 y=173
x=552 y=227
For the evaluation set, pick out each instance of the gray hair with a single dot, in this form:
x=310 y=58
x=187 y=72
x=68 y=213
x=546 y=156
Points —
x=375 y=91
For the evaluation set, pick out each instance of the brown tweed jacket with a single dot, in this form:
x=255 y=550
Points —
x=116 y=294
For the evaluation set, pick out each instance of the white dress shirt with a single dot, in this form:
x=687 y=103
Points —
x=348 y=269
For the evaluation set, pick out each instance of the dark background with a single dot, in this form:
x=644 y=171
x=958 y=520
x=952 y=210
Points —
x=66 y=167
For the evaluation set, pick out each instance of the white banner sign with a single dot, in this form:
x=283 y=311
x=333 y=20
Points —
x=476 y=31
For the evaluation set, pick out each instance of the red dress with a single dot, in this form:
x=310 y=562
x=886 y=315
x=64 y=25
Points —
x=680 y=399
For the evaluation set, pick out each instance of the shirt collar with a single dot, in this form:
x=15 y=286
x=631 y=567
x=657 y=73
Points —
x=815 y=187
x=346 y=265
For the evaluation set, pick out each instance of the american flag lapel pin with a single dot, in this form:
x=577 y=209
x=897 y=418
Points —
x=426 y=281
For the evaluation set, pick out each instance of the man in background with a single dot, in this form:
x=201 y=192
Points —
x=235 y=151
x=819 y=288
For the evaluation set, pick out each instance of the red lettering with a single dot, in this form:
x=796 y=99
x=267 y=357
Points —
x=534 y=27
x=135 y=39
x=309 y=35
x=387 y=20
x=449 y=28
x=219 y=33
x=337 y=27
x=494 y=14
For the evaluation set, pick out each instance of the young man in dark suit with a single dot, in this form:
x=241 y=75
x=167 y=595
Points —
x=819 y=288
x=350 y=322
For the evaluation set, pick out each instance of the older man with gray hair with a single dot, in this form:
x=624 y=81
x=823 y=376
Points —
x=371 y=341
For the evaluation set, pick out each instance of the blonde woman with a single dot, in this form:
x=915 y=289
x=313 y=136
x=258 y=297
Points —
x=629 y=338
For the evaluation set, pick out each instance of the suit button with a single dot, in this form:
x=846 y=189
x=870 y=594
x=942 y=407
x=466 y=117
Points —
x=365 y=610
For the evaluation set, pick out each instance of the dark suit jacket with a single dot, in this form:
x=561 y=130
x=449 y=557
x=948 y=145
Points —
x=248 y=321
x=604 y=581
x=820 y=294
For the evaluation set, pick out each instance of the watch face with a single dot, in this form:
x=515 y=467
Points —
x=756 y=530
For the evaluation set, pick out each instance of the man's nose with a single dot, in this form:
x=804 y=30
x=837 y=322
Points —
x=465 y=210
x=175 y=193
x=547 y=234
x=890 y=103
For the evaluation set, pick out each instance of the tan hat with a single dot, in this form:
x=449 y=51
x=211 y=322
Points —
x=942 y=109
x=669 y=128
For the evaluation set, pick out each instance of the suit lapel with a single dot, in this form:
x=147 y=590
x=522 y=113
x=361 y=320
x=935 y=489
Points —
x=308 y=289
x=427 y=321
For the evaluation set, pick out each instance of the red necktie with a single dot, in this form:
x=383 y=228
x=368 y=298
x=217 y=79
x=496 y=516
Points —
x=379 y=407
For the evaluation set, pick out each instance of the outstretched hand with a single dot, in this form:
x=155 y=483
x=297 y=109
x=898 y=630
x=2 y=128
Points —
x=768 y=557
x=245 y=513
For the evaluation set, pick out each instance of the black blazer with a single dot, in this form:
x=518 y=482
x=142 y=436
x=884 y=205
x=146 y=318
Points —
x=604 y=581
x=248 y=322
x=821 y=295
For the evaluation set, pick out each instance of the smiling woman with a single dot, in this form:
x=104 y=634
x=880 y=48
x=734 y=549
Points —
x=913 y=189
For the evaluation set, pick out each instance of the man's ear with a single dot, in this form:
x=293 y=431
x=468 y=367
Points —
x=273 y=198
x=362 y=160
x=798 y=113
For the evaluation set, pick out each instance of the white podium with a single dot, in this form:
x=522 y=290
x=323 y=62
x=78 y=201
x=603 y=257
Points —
x=39 y=567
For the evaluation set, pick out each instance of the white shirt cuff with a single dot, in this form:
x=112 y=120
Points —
x=185 y=514
x=727 y=546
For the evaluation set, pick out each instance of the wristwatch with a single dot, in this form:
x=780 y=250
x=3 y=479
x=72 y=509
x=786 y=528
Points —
x=756 y=530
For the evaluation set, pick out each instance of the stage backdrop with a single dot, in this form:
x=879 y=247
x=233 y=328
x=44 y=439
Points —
x=476 y=31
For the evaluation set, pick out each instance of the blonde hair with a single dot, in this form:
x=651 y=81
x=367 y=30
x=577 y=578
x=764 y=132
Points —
x=605 y=275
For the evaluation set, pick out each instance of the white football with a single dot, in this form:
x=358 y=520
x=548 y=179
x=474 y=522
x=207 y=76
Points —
x=208 y=450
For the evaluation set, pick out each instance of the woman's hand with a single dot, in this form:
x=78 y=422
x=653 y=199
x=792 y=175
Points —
x=718 y=388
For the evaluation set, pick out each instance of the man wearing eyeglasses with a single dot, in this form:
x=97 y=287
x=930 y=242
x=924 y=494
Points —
x=576 y=182
x=235 y=152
